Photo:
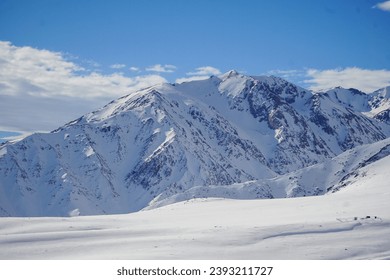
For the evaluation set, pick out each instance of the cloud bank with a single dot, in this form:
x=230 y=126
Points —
x=62 y=90
x=384 y=6
x=352 y=77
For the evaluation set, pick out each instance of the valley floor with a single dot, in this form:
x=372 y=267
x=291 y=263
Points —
x=334 y=226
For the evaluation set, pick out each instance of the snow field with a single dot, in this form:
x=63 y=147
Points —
x=321 y=227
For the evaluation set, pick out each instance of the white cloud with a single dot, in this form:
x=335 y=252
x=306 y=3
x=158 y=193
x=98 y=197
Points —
x=205 y=71
x=384 y=6
x=200 y=73
x=167 y=68
x=134 y=69
x=118 y=66
x=189 y=79
x=40 y=90
x=351 y=77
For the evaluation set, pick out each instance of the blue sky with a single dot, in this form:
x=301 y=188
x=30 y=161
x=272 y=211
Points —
x=108 y=48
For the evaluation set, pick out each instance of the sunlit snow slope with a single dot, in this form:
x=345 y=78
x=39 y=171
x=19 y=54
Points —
x=353 y=223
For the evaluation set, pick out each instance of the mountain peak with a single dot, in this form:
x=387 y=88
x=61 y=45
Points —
x=383 y=92
x=229 y=74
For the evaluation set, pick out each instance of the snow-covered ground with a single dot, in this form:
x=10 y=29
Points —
x=333 y=226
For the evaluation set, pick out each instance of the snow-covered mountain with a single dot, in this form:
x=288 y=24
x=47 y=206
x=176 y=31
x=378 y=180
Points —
x=353 y=223
x=163 y=141
x=326 y=177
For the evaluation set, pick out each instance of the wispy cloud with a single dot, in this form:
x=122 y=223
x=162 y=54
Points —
x=62 y=90
x=190 y=79
x=384 y=6
x=205 y=70
x=352 y=77
x=134 y=69
x=167 y=68
x=200 y=73
x=288 y=74
x=118 y=66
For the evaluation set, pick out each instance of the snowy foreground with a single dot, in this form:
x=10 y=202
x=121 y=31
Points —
x=333 y=226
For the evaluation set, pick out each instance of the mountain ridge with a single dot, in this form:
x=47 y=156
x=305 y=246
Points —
x=228 y=129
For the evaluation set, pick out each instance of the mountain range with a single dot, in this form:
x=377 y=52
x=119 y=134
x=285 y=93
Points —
x=231 y=136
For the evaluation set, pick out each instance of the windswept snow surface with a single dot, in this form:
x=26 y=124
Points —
x=353 y=223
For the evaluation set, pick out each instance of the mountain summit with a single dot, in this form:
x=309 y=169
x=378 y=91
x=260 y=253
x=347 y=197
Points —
x=166 y=139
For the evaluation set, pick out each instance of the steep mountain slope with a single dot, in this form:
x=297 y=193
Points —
x=329 y=176
x=293 y=127
x=169 y=138
x=380 y=104
x=119 y=158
